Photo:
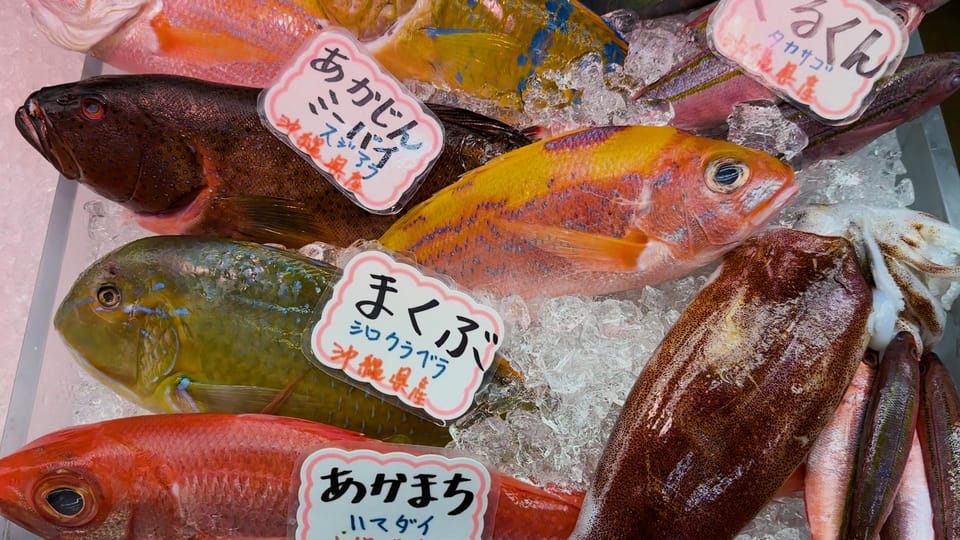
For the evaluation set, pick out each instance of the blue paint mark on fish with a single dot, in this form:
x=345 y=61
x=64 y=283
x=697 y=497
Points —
x=521 y=60
x=582 y=139
x=434 y=32
x=459 y=77
x=158 y=286
x=181 y=311
x=559 y=11
x=542 y=40
x=612 y=54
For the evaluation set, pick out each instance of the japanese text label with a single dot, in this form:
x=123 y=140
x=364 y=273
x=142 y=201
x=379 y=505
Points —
x=346 y=494
x=353 y=121
x=408 y=335
x=823 y=55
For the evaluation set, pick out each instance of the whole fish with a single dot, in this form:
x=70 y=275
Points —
x=919 y=84
x=885 y=440
x=736 y=394
x=912 y=514
x=940 y=439
x=829 y=480
x=192 y=157
x=706 y=87
x=595 y=211
x=646 y=9
x=205 y=476
x=488 y=50
x=188 y=324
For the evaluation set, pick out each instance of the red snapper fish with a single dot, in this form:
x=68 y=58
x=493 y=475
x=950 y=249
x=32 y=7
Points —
x=595 y=211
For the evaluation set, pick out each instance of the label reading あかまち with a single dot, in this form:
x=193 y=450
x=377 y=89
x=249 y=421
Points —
x=367 y=494
x=407 y=335
x=353 y=121
x=824 y=56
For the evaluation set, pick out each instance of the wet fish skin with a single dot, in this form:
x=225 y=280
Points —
x=190 y=324
x=884 y=444
x=206 y=476
x=920 y=83
x=939 y=435
x=485 y=50
x=829 y=480
x=594 y=211
x=192 y=157
x=735 y=396
x=912 y=514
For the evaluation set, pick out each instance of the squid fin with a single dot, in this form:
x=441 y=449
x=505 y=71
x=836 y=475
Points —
x=206 y=47
x=588 y=251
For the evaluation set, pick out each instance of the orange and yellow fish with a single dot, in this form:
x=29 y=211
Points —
x=487 y=49
x=595 y=211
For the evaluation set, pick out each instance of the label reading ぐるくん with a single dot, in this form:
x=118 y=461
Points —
x=407 y=335
x=823 y=55
x=354 y=122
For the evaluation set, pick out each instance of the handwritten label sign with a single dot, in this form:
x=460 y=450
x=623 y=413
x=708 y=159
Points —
x=354 y=122
x=823 y=55
x=394 y=496
x=408 y=335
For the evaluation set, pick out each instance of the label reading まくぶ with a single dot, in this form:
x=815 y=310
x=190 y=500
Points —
x=361 y=493
x=353 y=121
x=407 y=335
x=825 y=56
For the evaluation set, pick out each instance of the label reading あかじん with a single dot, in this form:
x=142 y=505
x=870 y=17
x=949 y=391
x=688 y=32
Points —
x=361 y=493
x=407 y=335
x=824 y=56
x=353 y=121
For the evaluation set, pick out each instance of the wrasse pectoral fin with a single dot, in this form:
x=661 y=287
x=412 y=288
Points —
x=283 y=395
x=206 y=47
x=589 y=252
x=221 y=398
x=269 y=219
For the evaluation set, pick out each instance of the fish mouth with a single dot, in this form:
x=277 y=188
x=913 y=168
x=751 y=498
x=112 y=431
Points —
x=766 y=210
x=32 y=125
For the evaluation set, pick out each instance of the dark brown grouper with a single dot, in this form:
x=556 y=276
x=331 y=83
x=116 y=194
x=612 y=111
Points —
x=192 y=157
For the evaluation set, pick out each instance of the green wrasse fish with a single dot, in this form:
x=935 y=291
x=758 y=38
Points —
x=736 y=394
x=595 y=211
x=192 y=157
x=209 y=476
x=485 y=49
x=188 y=324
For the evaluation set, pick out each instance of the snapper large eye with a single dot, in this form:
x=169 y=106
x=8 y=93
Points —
x=65 y=501
x=726 y=175
x=108 y=296
x=92 y=108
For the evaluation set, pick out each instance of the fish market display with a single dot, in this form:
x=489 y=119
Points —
x=187 y=324
x=192 y=157
x=203 y=476
x=919 y=84
x=481 y=49
x=938 y=430
x=912 y=514
x=739 y=389
x=595 y=211
x=646 y=9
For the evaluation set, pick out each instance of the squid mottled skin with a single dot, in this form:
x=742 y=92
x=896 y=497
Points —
x=736 y=394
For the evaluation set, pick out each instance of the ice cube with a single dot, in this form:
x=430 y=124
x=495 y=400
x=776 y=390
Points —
x=760 y=125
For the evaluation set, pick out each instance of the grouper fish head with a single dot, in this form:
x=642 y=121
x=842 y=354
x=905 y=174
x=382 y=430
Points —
x=125 y=141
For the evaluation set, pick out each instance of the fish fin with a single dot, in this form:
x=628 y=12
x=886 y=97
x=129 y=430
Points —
x=589 y=252
x=398 y=438
x=206 y=47
x=482 y=125
x=273 y=220
x=229 y=398
x=283 y=395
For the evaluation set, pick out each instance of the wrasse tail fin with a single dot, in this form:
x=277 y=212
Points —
x=268 y=219
x=206 y=47
x=589 y=252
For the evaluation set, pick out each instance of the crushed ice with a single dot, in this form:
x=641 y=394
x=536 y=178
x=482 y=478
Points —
x=579 y=355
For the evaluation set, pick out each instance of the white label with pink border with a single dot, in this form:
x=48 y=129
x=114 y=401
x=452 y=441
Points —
x=824 y=55
x=408 y=335
x=352 y=120
x=347 y=494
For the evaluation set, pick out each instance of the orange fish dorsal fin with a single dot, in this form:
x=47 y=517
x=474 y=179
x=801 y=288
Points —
x=206 y=47
x=590 y=252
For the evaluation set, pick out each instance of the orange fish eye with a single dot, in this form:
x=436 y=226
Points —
x=92 y=108
x=726 y=175
x=65 y=500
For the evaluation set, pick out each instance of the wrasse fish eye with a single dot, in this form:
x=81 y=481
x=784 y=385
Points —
x=955 y=82
x=109 y=296
x=65 y=501
x=725 y=175
x=92 y=108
